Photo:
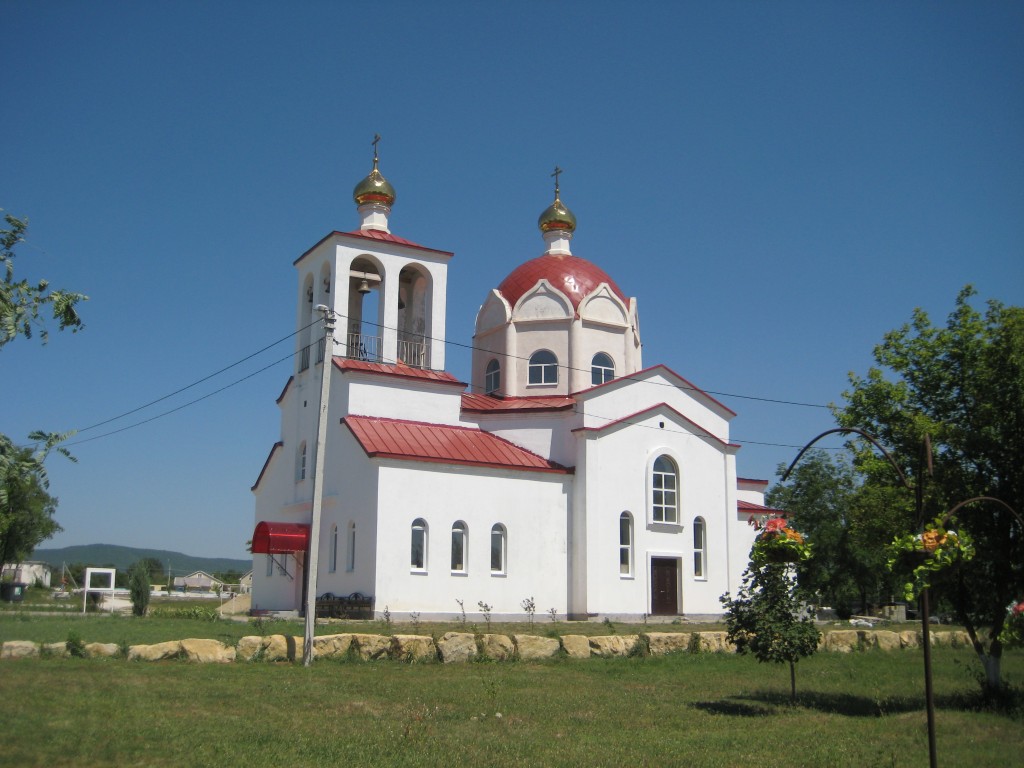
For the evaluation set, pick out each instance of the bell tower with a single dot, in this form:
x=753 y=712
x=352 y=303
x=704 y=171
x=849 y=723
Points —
x=389 y=293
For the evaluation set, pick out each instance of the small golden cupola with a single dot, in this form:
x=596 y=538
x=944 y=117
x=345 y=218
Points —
x=557 y=222
x=374 y=196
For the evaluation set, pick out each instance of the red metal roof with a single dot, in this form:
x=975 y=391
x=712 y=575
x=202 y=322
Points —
x=748 y=506
x=686 y=385
x=374 y=234
x=276 y=447
x=575 y=277
x=396 y=369
x=634 y=418
x=417 y=441
x=278 y=538
x=476 y=403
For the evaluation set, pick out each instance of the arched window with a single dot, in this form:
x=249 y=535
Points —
x=418 y=559
x=700 y=549
x=664 y=491
x=625 y=544
x=334 y=549
x=499 y=548
x=543 y=368
x=459 y=542
x=300 y=470
x=492 y=377
x=351 y=564
x=602 y=369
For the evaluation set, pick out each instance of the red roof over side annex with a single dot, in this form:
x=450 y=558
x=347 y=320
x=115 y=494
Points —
x=439 y=443
x=401 y=370
x=476 y=403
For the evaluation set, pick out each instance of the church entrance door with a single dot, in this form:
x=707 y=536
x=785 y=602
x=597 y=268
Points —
x=664 y=586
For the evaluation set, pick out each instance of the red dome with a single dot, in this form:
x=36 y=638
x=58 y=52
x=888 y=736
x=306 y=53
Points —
x=575 y=277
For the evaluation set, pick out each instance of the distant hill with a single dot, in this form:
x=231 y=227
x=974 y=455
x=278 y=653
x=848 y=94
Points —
x=112 y=555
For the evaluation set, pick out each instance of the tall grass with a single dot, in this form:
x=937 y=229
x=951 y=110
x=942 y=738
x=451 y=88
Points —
x=862 y=709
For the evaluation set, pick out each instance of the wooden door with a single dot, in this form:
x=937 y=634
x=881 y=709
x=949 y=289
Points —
x=664 y=586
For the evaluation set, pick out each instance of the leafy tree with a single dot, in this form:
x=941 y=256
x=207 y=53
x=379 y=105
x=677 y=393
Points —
x=26 y=509
x=823 y=497
x=962 y=387
x=768 y=619
x=21 y=301
x=138 y=587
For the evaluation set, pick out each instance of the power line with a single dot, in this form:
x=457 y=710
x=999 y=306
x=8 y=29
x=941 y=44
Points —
x=193 y=384
x=470 y=347
x=183 y=406
x=706 y=438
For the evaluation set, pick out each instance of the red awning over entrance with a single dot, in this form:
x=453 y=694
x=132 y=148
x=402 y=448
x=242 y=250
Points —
x=279 y=538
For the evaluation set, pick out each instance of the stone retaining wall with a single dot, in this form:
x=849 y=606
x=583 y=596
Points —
x=454 y=647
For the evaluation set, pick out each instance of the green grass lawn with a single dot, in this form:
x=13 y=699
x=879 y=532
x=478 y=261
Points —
x=859 y=709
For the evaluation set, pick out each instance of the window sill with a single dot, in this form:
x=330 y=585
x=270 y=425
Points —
x=459 y=573
x=497 y=575
x=660 y=527
x=626 y=577
x=418 y=571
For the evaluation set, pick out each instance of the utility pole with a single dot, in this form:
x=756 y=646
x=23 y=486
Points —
x=312 y=557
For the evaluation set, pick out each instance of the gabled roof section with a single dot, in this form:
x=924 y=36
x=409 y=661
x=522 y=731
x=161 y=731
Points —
x=277 y=446
x=287 y=386
x=401 y=370
x=476 y=403
x=635 y=418
x=681 y=383
x=377 y=235
x=748 y=506
x=438 y=443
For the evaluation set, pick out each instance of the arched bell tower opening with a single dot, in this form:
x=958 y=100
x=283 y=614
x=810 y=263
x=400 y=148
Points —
x=307 y=322
x=414 y=302
x=365 y=310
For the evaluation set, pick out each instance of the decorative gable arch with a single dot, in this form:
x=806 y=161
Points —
x=543 y=302
x=603 y=306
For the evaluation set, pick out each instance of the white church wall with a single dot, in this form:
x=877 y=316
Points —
x=531 y=507
x=546 y=434
x=618 y=469
x=624 y=397
x=394 y=398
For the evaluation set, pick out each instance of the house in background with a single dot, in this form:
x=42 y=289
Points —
x=35 y=573
x=199 y=581
x=565 y=472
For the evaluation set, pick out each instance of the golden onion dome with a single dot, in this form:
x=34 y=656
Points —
x=374 y=189
x=557 y=217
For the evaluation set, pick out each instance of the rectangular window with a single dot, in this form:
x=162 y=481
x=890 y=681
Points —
x=418 y=559
x=458 y=550
x=498 y=549
x=351 y=547
x=699 y=549
x=625 y=545
x=270 y=565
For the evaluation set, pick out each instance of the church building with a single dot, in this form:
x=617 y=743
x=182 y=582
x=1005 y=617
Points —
x=563 y=473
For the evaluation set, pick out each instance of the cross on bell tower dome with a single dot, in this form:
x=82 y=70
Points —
x=374 y=197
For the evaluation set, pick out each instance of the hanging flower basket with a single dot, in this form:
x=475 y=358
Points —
x=777 y=545
x=925 y=556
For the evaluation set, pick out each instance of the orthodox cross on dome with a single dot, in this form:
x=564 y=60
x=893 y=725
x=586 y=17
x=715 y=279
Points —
x=376 y=139
x=558 y=171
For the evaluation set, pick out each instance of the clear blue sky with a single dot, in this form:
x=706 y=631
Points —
x=778 y=184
